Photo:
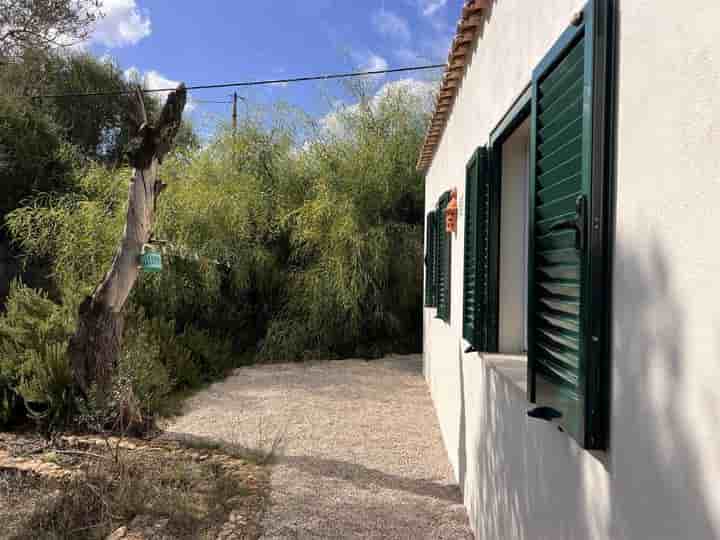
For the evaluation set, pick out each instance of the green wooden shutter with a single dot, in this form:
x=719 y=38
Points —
x=430 y=260
x=564 y=255
x=492 y=248
x=477 y=259
x=444 y=259
x=471 y=290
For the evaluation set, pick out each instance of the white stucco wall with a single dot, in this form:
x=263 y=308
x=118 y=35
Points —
x=523 y=479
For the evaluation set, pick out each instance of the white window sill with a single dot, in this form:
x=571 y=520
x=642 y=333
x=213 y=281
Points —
x=512 y=367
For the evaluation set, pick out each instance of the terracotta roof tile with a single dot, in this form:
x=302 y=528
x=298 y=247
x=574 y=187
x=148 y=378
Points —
x=467 y=30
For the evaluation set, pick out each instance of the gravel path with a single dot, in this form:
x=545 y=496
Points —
x=362 y=454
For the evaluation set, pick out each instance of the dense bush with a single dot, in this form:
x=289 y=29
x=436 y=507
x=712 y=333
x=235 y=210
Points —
x=286 y=240
x=33 y=156
x=321 y=228
x=33 y=367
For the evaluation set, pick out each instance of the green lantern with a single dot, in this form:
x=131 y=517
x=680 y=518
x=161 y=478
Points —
x=150 y=259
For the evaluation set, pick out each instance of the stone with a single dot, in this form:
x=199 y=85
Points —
x=118 y=534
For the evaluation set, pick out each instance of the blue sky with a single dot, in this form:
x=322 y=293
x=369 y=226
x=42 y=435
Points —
x=225 y=41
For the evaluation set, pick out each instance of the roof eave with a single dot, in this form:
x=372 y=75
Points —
x=468 y=29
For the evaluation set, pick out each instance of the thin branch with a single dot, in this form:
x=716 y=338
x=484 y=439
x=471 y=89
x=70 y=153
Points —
x=79 y=453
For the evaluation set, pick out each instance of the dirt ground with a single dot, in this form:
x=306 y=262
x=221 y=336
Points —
x=90 y=488
x=359 y=449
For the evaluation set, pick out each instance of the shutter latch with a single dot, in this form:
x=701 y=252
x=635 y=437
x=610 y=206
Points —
x=579 y=223
x=544 y=413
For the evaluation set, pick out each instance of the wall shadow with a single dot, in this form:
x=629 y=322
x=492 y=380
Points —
x=359 y=475
x=531 y=481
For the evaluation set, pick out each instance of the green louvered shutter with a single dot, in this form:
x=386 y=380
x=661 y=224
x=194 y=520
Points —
x=565 y=258
x=430 y=261
x=470 y=257
x=476 y=257
x=444 y=258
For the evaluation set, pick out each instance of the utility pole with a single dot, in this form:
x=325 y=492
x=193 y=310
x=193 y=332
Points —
x=234 y=114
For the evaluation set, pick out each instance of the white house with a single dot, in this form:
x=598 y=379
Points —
x=572 y=319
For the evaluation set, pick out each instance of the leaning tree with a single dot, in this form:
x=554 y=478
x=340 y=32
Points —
x=96 y=345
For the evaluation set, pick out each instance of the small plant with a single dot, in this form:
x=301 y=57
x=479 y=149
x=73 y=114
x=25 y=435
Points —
x=48 y=392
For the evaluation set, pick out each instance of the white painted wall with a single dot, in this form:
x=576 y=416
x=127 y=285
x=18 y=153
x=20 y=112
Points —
x=523 y=479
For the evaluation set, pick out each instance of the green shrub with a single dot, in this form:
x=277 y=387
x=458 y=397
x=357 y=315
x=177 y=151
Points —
x=34 y=332
x=141 y=372
x=174 y=356
x=213 y=355
x=48 y=388
x=285 y=238
x=78 y=231
x=33 y=156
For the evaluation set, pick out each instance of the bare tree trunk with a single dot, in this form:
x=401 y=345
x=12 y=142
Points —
x=96 y=345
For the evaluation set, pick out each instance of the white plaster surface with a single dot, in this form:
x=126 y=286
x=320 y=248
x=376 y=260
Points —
x=523 y=479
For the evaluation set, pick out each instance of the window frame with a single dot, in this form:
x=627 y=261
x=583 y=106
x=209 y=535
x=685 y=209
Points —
x=518 y=113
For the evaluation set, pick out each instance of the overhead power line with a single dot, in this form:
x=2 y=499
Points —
x=326 y=77
x=210 y=101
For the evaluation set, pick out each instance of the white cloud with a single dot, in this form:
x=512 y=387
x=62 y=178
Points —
x=153 y=80
x=424 y=91
x=369 y=61
x=373 y=62
x=388 y=23
x=430 y=7
x=123 y=24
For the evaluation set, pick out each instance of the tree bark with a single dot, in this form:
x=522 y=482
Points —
x=97 y=343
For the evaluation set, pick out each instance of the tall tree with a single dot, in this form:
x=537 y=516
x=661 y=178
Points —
x=95 y=347
x=45 y=24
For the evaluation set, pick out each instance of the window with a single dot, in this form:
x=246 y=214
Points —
x=430 y=260
x=568 y=285
x=513 y=155
x=444 y=257
x=437 y=260
x=537 y=272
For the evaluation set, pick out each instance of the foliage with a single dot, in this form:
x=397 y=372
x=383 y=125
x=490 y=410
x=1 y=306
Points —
x=141 y=372
x=356 y=238
x=212 y=354
x=33 y=366
x=98 y=126
x=288 y=238
x=47 y=386
x=78 y=230
x=42 y=140
x=320 y=241
x=33 y=156
x=45 y=24
x=285 y=237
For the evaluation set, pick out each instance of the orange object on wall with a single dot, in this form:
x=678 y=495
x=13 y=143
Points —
x=451 y=213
